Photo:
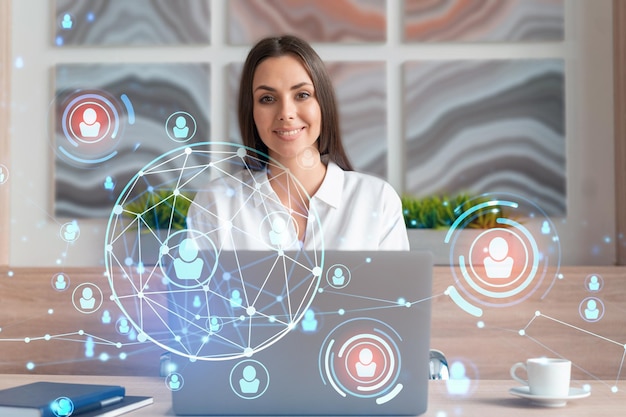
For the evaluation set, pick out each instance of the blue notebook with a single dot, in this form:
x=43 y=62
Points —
x=55 y=399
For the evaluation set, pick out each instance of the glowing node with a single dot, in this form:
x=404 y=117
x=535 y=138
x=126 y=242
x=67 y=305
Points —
x=279 y=298
x=560 y=276
x=614 y=389
x=50 y=311
x=10 y=273
x=193 y=358
x=177 y=338
x=537 y=313
x=164 y=249
x=241 y=152
x=522 y=332
x=442 y=414
x=257 y=186
x=205 y=288
x=281 y=252
x=401 y=301
x=251 y=311
x=30 y=366
x=271 y=319
x=140 y=295
x=142 y=337
x=205 y=339
x=118 y=209
x=480 y=324
x=27 y=340
x=176 y=192
x=587 y=387
x=103 y=357
x=407 y=304
x=109 y=248
x=112 y=297
x=368 y=260
x=242 y=317
x=188 y=151
x=123 y=356
x=317 y=271
x=81 y=332
x=248 y=352
x=197 y=316
x=341 y=311
x=320 y=290
x=447 y=291
x=118 y=345
x=140 y=174
x=47 y=337
x=291 y=325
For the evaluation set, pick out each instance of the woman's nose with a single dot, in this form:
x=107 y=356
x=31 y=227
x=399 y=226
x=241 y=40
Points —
x=287 y=110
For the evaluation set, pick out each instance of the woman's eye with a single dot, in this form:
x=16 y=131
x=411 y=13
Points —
x=266 y=99
x=303 y=95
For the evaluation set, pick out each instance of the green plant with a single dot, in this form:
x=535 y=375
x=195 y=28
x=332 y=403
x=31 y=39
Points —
x=440 y=212
x=160 y=210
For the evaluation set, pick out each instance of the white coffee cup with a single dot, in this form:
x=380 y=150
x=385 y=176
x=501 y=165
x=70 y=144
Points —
x=548 y=377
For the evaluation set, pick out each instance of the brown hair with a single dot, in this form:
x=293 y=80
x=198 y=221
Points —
x=329 y=142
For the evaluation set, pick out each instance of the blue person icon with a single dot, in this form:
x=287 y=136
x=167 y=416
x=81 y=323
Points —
x=235 y=299
x=339 y=278
x=249 y=384
x=67 y=22
x=181 y=130
x=188 y=265
x=309 y=322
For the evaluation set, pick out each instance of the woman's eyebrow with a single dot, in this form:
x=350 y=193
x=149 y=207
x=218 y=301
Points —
x=272 y=89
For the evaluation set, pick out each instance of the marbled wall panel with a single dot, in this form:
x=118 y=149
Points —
x=483 y=20
x=137 y=107
x=313 y=20
x=131 y=22
x=360 y=89
x=487 y=126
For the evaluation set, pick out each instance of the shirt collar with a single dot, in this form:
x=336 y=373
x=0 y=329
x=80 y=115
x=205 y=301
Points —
x=332 y=186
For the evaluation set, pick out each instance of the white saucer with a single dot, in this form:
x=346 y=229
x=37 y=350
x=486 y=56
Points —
x=545 y=401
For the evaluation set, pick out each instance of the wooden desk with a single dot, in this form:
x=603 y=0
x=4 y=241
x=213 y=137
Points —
x=487 y=398
x=595 y=348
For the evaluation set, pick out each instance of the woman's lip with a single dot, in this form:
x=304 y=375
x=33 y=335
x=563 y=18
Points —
x=288 y=132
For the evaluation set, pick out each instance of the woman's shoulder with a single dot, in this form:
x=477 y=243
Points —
x=362 y=179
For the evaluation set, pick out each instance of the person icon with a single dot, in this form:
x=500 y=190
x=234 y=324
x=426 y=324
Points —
x=249 y=384
x=591 y=311
x=90 y=127
x=214 y=324
x=498 y=264
x=278 y=234
x=174 y=382
x=123 y=326
x=594 y=283
x=235 y=299
x=109 y=184
x=106 y=317
x=366 y=367
x=188 y=266
x=67 y=23
x=60 y=283
x=545 y=227
x=339 y=278
x=458 y=383
x=196 y=301
x=71 y=232
x=87 y=301
x=181 y=130
x=309 y=322
x=307 y=159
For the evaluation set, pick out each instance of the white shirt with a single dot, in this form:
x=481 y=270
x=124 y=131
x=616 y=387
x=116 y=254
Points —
x=350 y=211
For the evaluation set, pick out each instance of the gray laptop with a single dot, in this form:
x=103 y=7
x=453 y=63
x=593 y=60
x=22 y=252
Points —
x=301 y=333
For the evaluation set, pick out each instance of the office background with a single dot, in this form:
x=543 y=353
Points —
x=418 y=90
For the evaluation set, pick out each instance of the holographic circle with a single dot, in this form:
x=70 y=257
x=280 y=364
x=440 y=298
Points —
x=88 y=127
x=249 y=379
x=338 y=276
x=69 y=232
x=186 y=283
x=87 y=298
x=174 y=381
x=591 y=309
x=60 y=281
x=594 y=283
x=62 y=407
x=181 y=126
x=361 y=358
x=506 y=263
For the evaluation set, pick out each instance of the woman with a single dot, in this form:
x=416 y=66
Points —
x=287 y=110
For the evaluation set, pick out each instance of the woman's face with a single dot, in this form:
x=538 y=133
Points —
x=286 y=112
